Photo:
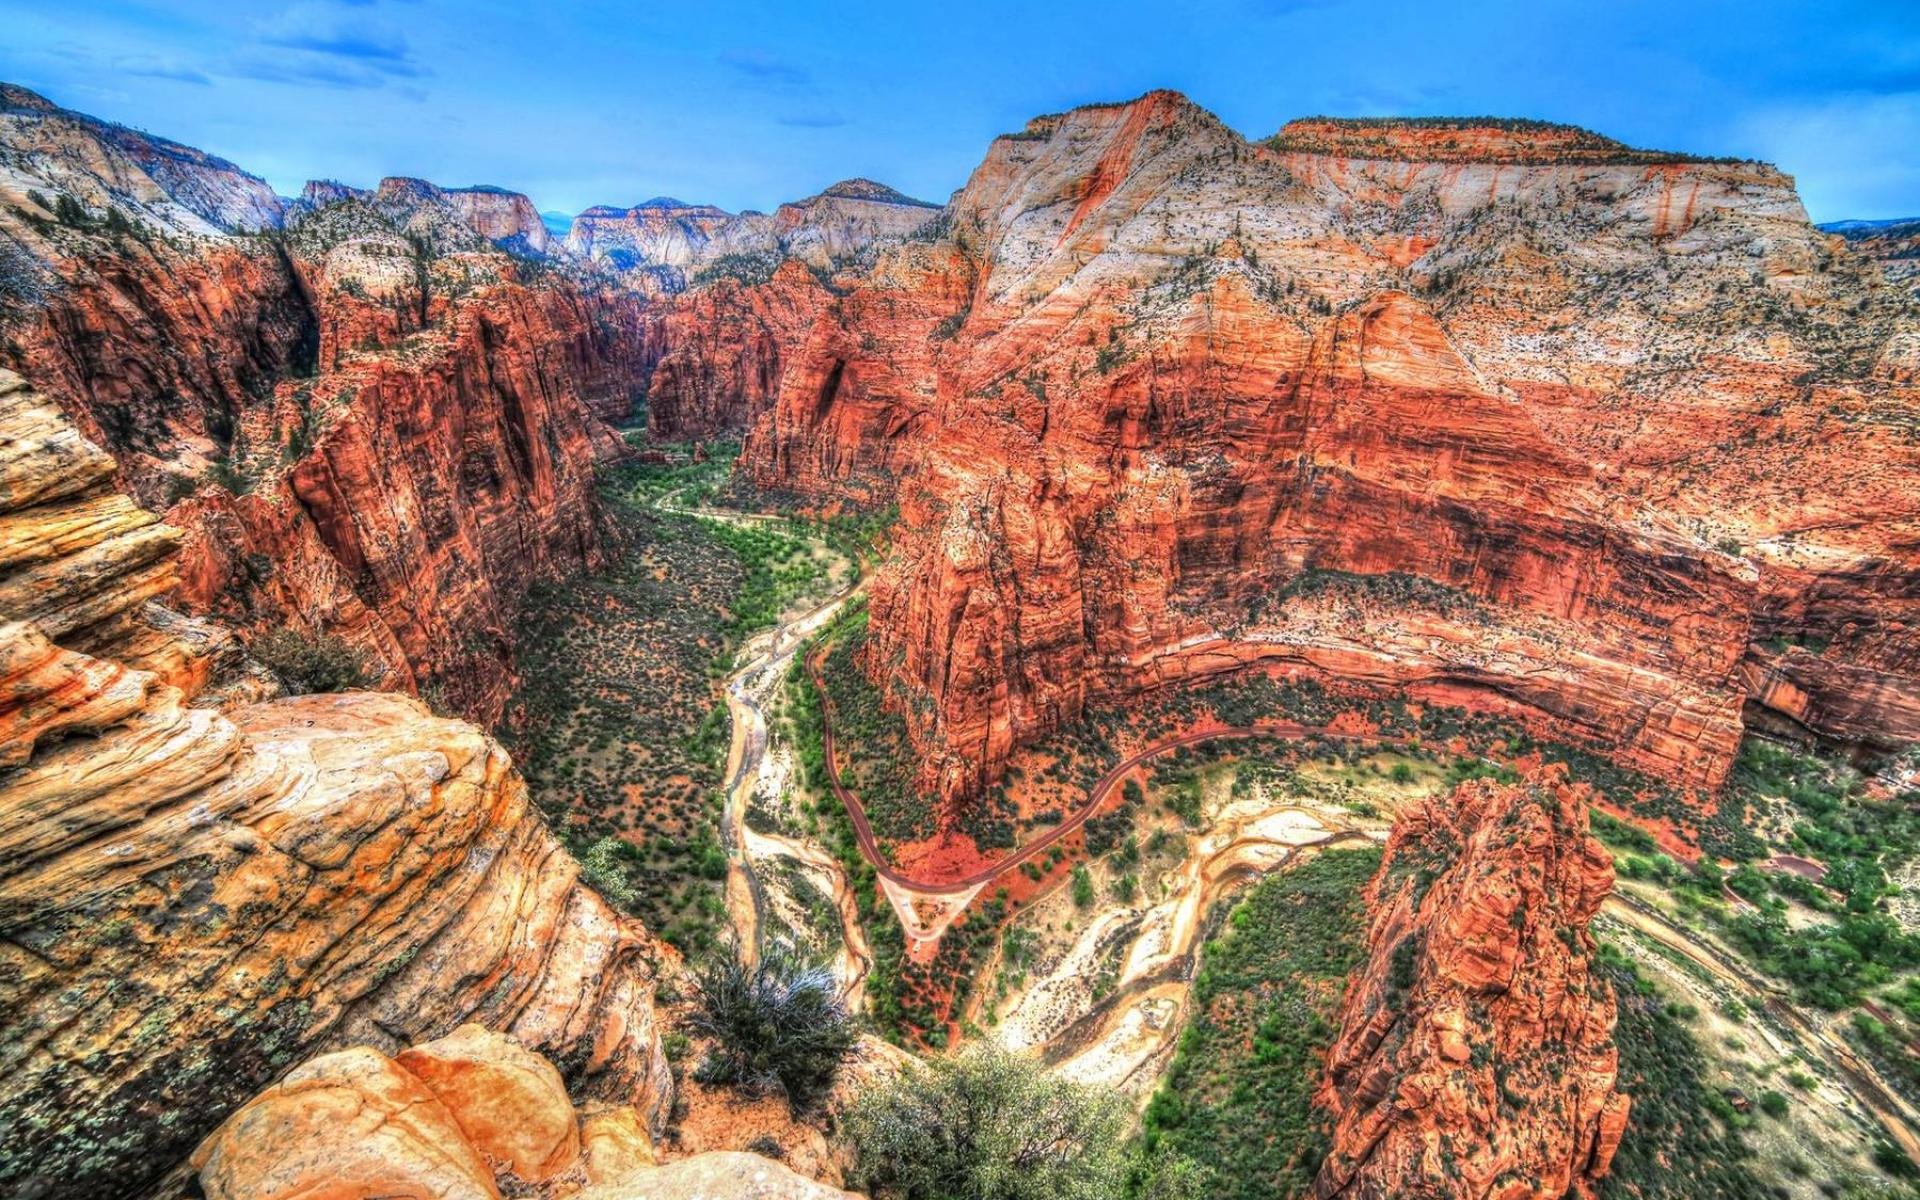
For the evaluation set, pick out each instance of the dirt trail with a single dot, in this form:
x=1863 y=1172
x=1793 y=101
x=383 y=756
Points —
x=870 y=849
x=1896 y=1116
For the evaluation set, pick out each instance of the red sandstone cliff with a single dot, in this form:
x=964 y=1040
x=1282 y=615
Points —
x=376 y=425
x=1475 y=1056
x=1156 y=403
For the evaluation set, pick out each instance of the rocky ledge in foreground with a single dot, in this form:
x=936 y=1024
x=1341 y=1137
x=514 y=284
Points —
x=193 y=900
x=471 y=1116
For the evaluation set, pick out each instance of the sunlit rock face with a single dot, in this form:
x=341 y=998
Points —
x=1475 y=1056
x=199 y=887
x=665 y=244
x=382 y=424
x=471 y=1116
x=1500 y=414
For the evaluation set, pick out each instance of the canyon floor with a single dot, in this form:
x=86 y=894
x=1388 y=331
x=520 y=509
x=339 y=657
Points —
x=1082 y=946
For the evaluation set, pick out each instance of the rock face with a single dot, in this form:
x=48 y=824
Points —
x=673 y=243
x=180 y=189
x=507 y=219
x=510 y=1105
x=1502 y=414
x=504 y=219
x=192 y=900
x=1475 y=1056
x=460 y=1119
x=377 y=426
x=349 y=1124
x=718 y=352
x=1894 y=244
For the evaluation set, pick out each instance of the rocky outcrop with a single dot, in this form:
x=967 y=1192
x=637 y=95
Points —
x=507 y=219
x=846 y=219
x=377 y=426
x=1475 y=1056
x=661 y=232
x=445 y=217
x=1474 y=140
x=470 y=1117
x=673 y=243
x=1505 y=413
x=192 y=900
x=177 y=188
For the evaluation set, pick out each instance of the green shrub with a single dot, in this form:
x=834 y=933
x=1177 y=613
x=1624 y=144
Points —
x=1238 y=1095
x=779 y=1022
x=1082 y=886
x=318 y=662
x=987 y=1125
x=604 y=867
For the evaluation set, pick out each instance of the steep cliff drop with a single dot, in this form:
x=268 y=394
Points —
x=376 y=415
x=1507 y=415
x=1475 y=1056
x=194 y=898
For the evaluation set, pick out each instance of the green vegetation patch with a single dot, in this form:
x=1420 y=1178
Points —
x=618 y=725
x=876 y=756
x=1672 y=1147
x=1239 y=1094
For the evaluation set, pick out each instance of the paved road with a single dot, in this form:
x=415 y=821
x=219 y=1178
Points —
x=1805 y=868
x=870 y=850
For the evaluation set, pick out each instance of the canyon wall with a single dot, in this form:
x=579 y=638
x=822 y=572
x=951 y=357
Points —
x=199 y=887
x=665 y=244
x=1506 y=415
x=1475 y=1056
x=376 y=424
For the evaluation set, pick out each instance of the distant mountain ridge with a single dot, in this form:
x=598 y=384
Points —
x=1861 y=229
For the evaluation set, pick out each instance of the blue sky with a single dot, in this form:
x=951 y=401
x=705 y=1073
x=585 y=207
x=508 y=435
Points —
x=747 y=105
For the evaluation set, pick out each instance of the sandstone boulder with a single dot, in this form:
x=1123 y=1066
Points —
x=614 y=1144
x=352 y=1125
x=510 y=1103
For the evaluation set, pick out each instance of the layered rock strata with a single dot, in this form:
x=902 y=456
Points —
x=375 y=425
x=192 y=900
x=1508 y=415
x=1475 y=1055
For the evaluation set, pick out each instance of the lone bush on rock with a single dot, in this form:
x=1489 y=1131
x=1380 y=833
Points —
x=780 y=1021
x=310 y=663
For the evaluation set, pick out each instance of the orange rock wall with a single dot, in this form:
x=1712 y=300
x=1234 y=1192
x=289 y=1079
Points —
x=413 y=463
x=1475 y=1056
x=1153 y=380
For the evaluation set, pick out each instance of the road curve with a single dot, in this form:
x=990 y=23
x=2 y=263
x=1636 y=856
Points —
x=870 y=850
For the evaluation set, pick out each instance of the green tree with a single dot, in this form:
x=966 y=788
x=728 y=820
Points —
x=1082 y=886
x=313 y=662
x=988 y=1125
